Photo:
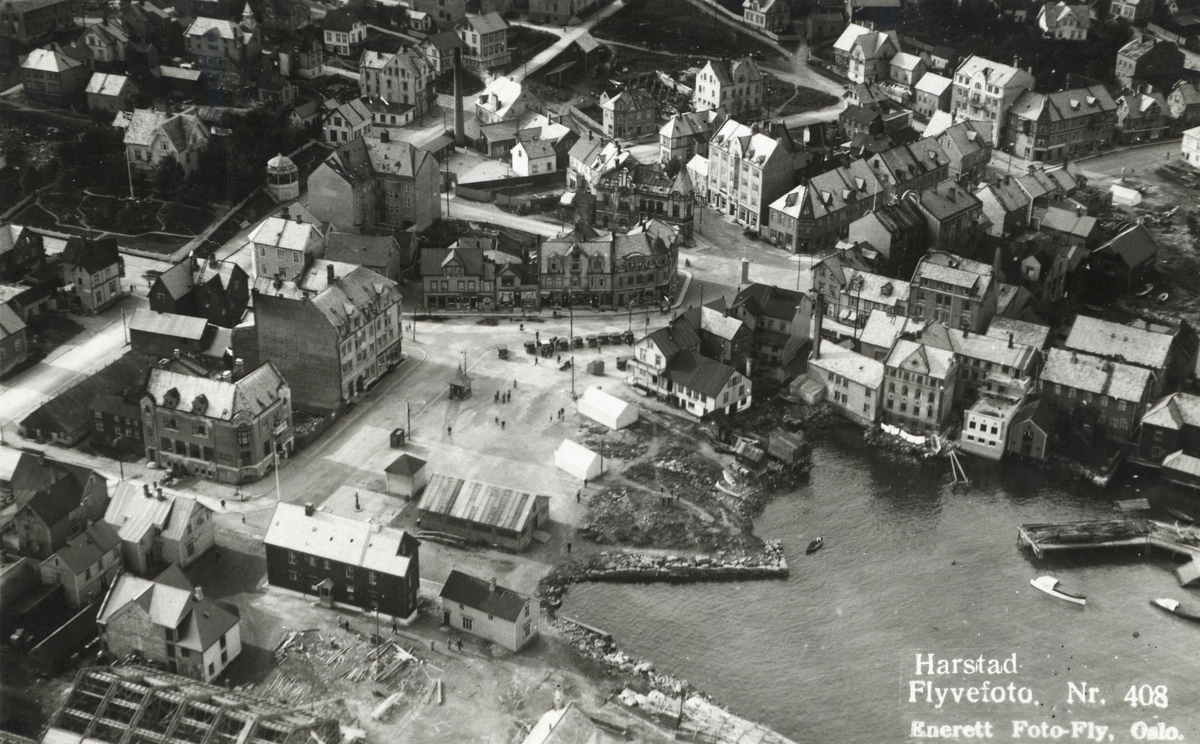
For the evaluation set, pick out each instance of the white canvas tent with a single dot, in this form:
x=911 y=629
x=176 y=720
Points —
x=577 y=460
x=607 y=409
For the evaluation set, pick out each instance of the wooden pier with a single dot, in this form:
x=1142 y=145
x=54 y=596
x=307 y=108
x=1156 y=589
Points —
x=1118 y=533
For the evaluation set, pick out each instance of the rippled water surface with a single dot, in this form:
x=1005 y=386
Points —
x=910 y=566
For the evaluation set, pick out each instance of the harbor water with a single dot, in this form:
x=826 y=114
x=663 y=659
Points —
x=911 y=566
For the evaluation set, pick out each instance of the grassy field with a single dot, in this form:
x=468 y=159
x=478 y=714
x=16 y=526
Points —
x=678 y=27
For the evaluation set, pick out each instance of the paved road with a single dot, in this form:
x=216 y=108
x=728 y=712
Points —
x=566 y=37
x=465 y=209
x=1138 y=158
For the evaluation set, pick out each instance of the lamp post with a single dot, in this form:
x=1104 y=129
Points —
x=120 y=462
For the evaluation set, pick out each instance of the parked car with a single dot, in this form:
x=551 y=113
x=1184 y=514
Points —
x=530 y=347
x=592 y=342
x=627 y=337
x=578 y=342
x=563 y=344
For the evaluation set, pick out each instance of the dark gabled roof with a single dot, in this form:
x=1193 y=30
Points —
x=766 y=300
x=361 y=250
x=339 y=19
x=405 y=465
x=91 y=255
x=114 y=405
x=477 y=594
x=213 y=620
x=1134 y=246
x=177 y=280
x=53 y=504
x=674 y=339
x=697 y=372
x=88 y=547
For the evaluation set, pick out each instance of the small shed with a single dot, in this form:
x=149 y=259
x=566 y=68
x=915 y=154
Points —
x=406 y=476
x=750 y=456
x=807 y=390
x=607 y=409
x=788 y=447
x=596 y=367
x=460 y=386
x=579 y=461
x=716 y=424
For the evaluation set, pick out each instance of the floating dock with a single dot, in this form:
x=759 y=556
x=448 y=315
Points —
x=1118 y=533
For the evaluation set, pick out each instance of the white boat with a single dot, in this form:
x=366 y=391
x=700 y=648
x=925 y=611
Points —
x=1172 y=606
x=1050 y=585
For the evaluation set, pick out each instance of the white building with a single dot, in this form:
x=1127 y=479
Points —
x=1062 y=21
x=283 y=249
x=852 y=381
x=534 y=157
x=985 y=90
x=488 y=611
x=1190 y=147
x=607 y=409
x=402 y=77
x=733 y=85
x=986 y=424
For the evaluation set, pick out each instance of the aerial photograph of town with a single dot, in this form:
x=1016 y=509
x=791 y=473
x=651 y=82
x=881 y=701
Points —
x=596 y=371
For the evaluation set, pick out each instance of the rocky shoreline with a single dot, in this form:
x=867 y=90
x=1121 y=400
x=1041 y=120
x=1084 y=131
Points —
x=641 y=568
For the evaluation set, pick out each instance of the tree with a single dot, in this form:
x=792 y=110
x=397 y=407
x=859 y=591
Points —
x=673 y=166
x=169 y=176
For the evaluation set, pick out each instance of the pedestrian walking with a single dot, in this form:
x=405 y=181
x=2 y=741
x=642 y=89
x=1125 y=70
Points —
x=514 y=384
x=535 y=361
x=578 y=495
x=502 y=423
x=460 y=644
x=497 y=420
x=568 y=548
x=585 y=482
x=560 y=358
x=447 y=431
x=222 y=503
x=431 y=645
x=243 y=519
x=508 y=397
x=496 y=397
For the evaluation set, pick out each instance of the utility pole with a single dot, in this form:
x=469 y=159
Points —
x=120 y=462
x=408 y=416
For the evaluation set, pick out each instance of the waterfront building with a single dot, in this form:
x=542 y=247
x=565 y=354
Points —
x=1097 y=394
x=988 y=366
x=852 y=381
x=1032 y=429
x=919 y=382
x=486 y=610
x=779 y=319
x=986 y=426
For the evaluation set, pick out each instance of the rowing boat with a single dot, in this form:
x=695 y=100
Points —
x=1051 y=586
x=1172 y=606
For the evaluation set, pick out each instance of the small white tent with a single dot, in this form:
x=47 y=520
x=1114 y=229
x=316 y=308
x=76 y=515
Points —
x=577 y=460
x=607 y=409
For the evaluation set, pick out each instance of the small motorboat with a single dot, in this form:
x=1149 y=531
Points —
x=1182 y=516
x=814 y=546
x=1172 y=606
x=1051 y=586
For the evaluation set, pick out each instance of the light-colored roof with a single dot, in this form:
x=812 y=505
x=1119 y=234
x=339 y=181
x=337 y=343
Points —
x=857 y=368
x=106 y=85
x=1096 y=375
x=1124 y=343
x=478 y=502
x=933 y=84
x=132 y=513
x=167 y=324
x=996 y=74
x=48 y=60
x=1017 y=357
x=1023 y=332
x=1174 y=412
x=719 y=324
x=252 y=394
x=1068 y=221
x=882 y=328
x=911 y=356
x=338 y=538
x=276 y=232
x=955 y=270
x=10 y=322
x=224 y=29
x=906 y=61
x=488 y=23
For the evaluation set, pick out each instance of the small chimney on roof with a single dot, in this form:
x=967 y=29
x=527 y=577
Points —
x=146 y=490
x=159 y=494
x=308 y=509
x=330 y=274
x=1010 y=340
x=239 y=368
x=492 y=585
x=198 y=593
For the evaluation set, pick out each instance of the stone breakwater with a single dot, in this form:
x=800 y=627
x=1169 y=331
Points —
x=636 y=568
